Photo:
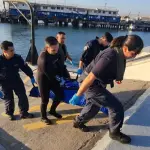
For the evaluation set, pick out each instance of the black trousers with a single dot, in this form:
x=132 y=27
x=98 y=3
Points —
x=45 y=86
x=66 y=73
x=98 y=97
x=19 y=89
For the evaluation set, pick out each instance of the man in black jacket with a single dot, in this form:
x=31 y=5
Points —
x=10 y=80
x=92 y=49
x=61 y=37
x=50 y=77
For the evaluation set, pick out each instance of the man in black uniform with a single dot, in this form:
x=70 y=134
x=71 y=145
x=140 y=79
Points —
x=61 y=37
x=108 y=66
x=92 y=48
x=49 y=77
x=10 y=80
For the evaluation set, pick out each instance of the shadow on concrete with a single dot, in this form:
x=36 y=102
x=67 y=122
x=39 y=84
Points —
x=98 y=128
x=71 y=112
x=141 y=117
x=127 y=98
x=10 y=143
x=140 y=141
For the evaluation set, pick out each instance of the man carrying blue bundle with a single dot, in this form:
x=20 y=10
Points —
x=10 y=81
x=107 y=67
x=50 y=78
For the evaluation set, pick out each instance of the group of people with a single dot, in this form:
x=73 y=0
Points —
x=51 y=65
x=103 y=61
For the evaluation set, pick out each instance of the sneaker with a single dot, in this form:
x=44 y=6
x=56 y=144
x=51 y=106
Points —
x=12 y=117
x=119 y=136
x=26 y=116
x=80 y=126
x=46 y=121
x=55 y=114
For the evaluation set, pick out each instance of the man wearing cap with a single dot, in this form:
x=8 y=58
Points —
x=92 y=48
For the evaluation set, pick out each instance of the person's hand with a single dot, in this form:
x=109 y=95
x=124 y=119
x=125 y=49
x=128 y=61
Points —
x=118 y=82
x=58 y=78
x=1 y=94
x=79 y=71
x=75 y=100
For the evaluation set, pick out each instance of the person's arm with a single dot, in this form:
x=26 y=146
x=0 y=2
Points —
x=98 y=70
x=2 y=77
x=25 y=68
x=81 y=64
x=85 y=55
x=69 y=57
x=86 y=84
x=83 y=59
x=66 y=51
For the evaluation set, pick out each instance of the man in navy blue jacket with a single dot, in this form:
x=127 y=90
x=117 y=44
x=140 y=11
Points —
x=92 y=49
x=10 y=80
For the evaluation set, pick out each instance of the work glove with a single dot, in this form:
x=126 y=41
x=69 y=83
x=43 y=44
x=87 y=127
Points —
x=79 y=71
x=75 y=100
x=104 y=110
x=1 y=94
x=58 y=78
x=62 y=81
x=33 y=81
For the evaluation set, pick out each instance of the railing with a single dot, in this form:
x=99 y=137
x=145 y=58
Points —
x=33 y=60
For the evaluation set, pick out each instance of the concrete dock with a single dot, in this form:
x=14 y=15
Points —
x=32 y=134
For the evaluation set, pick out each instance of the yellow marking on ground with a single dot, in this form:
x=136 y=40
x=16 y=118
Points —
x=66 y=119
x=32 y=109
x=5 y=115
x=37 y=107
x=61 y=104
x=34 y=126
x=39 y=125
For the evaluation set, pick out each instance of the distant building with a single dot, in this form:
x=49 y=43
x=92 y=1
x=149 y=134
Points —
x=67 y=12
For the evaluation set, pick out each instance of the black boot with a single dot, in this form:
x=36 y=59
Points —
x=26 y=115
x=46 y=121
x=119 y=136
x=55 y=114
x=80 y=126
x=53 y=109
x=12 y=117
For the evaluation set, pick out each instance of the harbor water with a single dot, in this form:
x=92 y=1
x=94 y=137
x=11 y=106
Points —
x=75 y=41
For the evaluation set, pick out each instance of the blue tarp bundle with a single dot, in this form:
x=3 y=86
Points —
x=69 y=88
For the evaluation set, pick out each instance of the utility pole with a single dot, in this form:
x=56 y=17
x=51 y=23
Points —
x=32 y=55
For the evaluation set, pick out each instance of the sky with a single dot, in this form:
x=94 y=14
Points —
x=124 y=6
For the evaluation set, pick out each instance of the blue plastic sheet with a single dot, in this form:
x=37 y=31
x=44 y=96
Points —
x=69 y=89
